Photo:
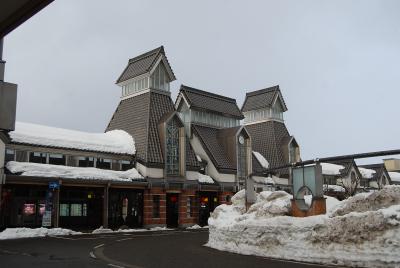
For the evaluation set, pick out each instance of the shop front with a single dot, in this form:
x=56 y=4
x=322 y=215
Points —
x=208 y=201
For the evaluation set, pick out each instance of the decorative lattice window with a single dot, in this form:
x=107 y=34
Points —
x=172 y=146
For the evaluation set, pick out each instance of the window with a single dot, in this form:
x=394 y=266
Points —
x=190 y=205
x=56 y=159
x=86 y=161
x=242 y=158
x=125 y=165
x=10 y=155
x=156 y=206
x=64 y=210
x=103 y=163
x=159 y=78
x=36 y=157
x=172 y=163
x=76 y=209
x=292 y=153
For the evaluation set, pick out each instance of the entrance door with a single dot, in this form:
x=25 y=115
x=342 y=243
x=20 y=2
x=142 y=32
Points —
x=208 y=201
x=125 y=208
x=172 y=210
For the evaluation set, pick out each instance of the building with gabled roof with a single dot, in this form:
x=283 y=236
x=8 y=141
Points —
x=374 y=176
x=263 y=111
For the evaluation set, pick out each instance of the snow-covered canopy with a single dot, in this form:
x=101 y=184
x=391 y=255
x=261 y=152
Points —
x=54 y=171
x=260 y=158
x=366 y=172
x=204 y=178
x=395 y=176
x=115 y=141
x=331 y=169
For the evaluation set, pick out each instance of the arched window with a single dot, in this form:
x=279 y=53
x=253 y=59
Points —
x=353 y=178
x=172 y=146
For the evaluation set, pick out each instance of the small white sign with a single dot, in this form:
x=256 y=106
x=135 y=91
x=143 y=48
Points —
x=46 y=220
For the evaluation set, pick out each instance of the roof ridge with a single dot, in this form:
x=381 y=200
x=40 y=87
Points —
x=207 y=93
x=147 y=54
x=264 y=90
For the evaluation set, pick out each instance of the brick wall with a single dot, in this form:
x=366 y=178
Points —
x=222 y=197
x=148 y=220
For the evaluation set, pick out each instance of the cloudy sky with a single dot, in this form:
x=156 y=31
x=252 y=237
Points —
x=337 y=62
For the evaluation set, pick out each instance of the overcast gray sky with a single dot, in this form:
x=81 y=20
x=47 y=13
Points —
x=337 y=62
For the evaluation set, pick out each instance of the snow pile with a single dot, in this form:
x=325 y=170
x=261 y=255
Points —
x=204 y=178
x=331 y=169
x=366 y=172
x=115 y=141
x=260 y=158
x=369 y=238
x=334 y=188
x=15 y=233
x=46 y=170
x=394 y=176
x=264 y=180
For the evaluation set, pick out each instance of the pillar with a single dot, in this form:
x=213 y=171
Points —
x=105 y=206
x=56 y=207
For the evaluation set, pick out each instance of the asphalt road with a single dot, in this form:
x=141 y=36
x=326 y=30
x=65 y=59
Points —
x=145 y=249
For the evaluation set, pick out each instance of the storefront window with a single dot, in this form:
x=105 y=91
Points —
x=64 y=210
x=86 y=161
x=29 y=209
x=36 y=157
x=156 y=206
x=125 y=165
x=10 y=155
x=56 y=159
x=190 y=207
x=76 y=209
x=103 y=163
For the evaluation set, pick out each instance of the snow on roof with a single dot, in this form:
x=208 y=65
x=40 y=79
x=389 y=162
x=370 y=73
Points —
x=115 y=141
x=204 y=178
x=334 y=188
x=394 y=176
x=366 y=172
x=46 y=170
x=199 y=158
x=331 y=169
x=260 y=158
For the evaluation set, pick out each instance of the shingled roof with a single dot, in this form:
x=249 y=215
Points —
x=268 y=139
x=261 y=99
x=142 y=64
x=208 y=101
x=209 y=138
x=140 y=116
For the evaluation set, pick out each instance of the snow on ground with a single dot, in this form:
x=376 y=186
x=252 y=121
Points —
x=394 y=176
x=331 y=169
x=264 y=180
x=102 y=230
x=366 y=172
x=196 y=226
x=115 y=141
x=15 y=233
x=361 y=231
x=260 y=158
x=204 y=178
x=46 y=170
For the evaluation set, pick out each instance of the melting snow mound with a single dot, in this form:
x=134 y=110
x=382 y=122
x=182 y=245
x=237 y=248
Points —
x=362 y=231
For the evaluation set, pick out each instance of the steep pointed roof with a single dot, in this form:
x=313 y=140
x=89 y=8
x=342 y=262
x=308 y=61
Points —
x=143 y=64
x=211 y=102
x=263 y=98
x=140 y=117
x=267 y=139
x=380 y=169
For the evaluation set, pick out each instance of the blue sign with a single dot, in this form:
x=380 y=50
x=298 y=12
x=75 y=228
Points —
x=54 y=185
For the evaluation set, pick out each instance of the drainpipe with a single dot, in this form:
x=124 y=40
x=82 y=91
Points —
x=2 y=62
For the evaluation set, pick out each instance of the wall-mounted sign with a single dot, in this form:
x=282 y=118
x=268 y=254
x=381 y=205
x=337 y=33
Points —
x=54 y=185
x=46 y=220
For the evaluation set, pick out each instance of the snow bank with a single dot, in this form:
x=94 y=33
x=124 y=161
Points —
x=260 y=158
x=331 y=169
x=394 y=176
x=368 y=238
x=204 y=178
x=46 y=170
x=15 y=233
x=263 y=180
x=366 y=172
x=115 y=141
